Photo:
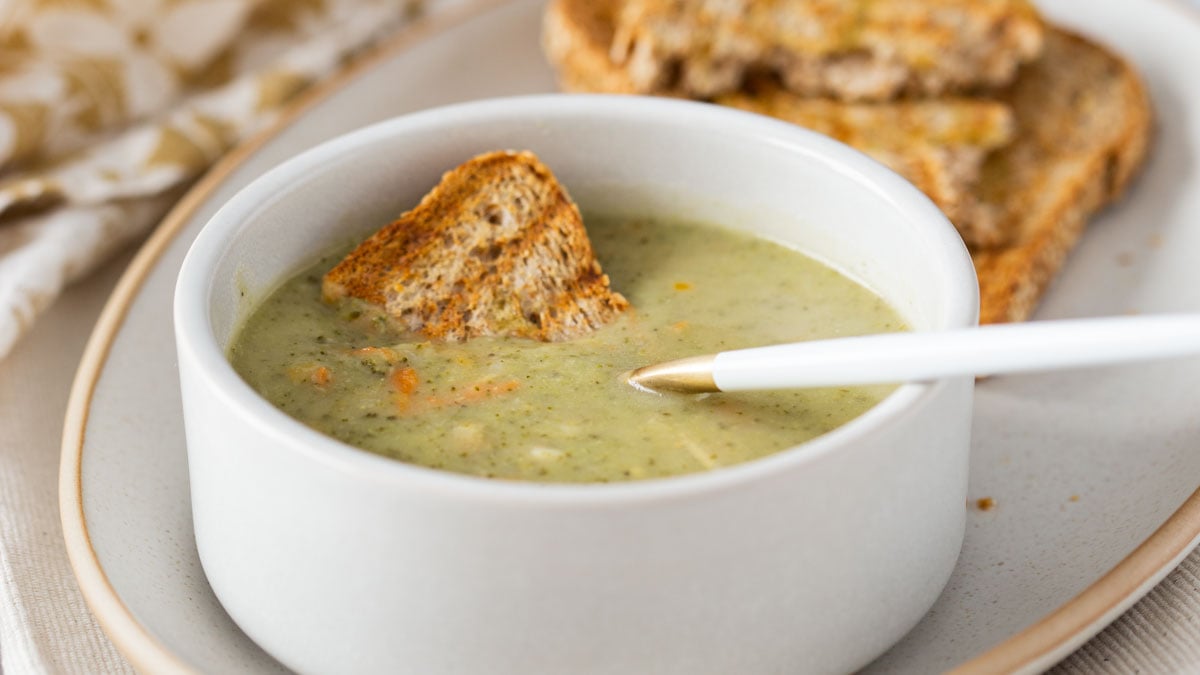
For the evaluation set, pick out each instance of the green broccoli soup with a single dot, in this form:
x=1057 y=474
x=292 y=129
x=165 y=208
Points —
x=561 y=412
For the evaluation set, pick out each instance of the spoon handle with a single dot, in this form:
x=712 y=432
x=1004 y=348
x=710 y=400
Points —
x=986 y=350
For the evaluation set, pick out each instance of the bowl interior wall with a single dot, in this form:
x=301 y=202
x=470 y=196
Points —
x=637 y=167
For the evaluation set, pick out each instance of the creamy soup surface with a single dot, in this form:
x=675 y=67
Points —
x=560 y=412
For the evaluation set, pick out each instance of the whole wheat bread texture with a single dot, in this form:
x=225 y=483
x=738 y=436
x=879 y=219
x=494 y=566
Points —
x=845 y=49
x=1081 y=125
x=1084 y=124
x=938 y=145
x=497 y=248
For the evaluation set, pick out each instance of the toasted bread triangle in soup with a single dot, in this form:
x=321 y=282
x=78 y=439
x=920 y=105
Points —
x=497 y=248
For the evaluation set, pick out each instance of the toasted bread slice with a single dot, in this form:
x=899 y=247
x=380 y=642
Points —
x=937 y=145
x=854 y=50
x=1084 y=123
x=496 y=248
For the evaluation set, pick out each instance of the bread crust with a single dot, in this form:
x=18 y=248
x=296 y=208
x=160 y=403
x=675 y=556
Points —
x=497 y=248
x=1084 y=126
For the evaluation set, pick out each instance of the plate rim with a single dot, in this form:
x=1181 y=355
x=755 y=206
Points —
x=1034 y=648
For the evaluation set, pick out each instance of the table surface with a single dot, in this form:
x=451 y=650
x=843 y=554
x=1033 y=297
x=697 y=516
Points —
x=45 y=626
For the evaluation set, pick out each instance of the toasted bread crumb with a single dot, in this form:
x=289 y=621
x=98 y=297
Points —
x=497 y=248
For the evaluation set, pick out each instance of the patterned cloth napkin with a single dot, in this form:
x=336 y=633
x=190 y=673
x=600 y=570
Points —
x=110 y=108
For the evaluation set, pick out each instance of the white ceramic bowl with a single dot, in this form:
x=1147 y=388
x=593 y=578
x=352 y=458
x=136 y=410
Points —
x=815 y=559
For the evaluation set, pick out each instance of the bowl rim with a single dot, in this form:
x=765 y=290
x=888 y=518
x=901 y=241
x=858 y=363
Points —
x=196 y=342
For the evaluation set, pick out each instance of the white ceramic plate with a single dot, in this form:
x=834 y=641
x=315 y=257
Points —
x=1084 y=468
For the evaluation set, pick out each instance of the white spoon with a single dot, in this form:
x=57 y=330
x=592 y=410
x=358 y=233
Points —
x=909 y=357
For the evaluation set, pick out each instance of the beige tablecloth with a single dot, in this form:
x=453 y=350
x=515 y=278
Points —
x=109 y=109
x=45 y=626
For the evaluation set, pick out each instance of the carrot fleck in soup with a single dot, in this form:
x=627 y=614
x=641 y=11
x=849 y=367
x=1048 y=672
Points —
x=561 y=412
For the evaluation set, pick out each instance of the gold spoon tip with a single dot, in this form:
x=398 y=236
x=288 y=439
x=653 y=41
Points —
x=633 y=379
x=692 y=375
